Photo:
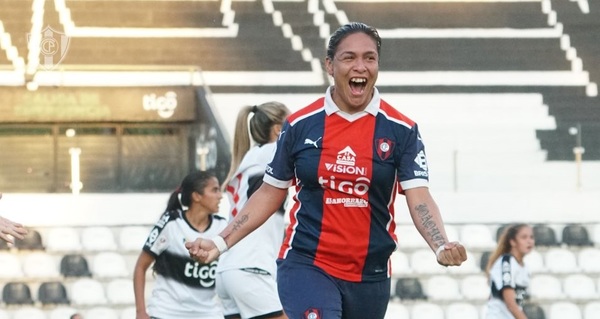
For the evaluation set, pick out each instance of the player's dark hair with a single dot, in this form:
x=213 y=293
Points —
x=194 y=182
x=350 y=28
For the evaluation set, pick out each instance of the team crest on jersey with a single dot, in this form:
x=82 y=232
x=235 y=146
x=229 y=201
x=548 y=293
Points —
x=385 y=147
x=312 y=313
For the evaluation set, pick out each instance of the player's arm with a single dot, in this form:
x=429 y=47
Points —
x=510 y=299
x=259 y=207
x=139 y=283
x=428 y=221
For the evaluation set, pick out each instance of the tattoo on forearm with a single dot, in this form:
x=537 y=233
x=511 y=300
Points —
x=238 y=224
x=430 y=226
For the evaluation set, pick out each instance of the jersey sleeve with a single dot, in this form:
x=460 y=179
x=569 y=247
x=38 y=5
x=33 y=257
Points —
x=413 y=170
x=158 y=239
x=280 y=171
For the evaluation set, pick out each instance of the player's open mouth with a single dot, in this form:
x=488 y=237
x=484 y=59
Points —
x=357 y=85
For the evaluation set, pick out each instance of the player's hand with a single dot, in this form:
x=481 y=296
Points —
x=202 y=250
x=9 y=228
x=453 y=254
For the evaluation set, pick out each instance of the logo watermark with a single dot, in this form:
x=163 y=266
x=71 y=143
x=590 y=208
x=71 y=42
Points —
x=53 y=47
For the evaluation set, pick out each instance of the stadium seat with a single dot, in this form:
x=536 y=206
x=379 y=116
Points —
x=588 y=260
x=32 y=241
x=74 y=265
x=563 y=310
x=120 y=292
x=53 y=293
x=4 y=314
x=11 y=266
x=98 y=238
x=427 y=310
x=580 y=287
x=409 y=288
x=16 y=293
x=596 y=235
x=101 y=313
x=132 y=238
x=534 y=311
x=544 y=235
x=63 y=239
x=477 y=237
x=423 y=261
x=40 y=265
x=462 y=310
x=87 y=292
x=475 y=287
x=129 y=312
x=109 y=264
x=591 y=310
x=499 y=231
x=576 y=235
x=442 y=287
x=29 y=313
x=4 y=245
x=535 y=262
x=400 y=264
x=561 y=261
x=409 y=238
x=546 y=287
x=485 y=257
x=64 y=312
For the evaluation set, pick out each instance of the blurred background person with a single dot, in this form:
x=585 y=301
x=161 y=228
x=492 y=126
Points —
x=10 y=230
x=184 y=288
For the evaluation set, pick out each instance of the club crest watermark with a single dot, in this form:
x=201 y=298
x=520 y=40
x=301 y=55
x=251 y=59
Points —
x=53 y=47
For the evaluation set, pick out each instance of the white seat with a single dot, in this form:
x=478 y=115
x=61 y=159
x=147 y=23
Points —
x=534 y=262
x=475 y=287
x=11 y=266
x=132 y=238
x=452 y=232
x=400 y=264
x=442 y=287
x=427 y=310
x=462 y=310
x=63 y=239
x=109 y=264
x=120 y=292
x=98 y=238
x=591 y=310
x=545 y=287
x=588 y=260
x=128 y=313
x=101 y=313
x=423 y=261
x=40 y=265
x=29 y=313
x=580 y=287
x=469 y=266
x=395 y=310
x=595 y=235
x=63 y=313
x=477 y=237
x=563 y=310
x=4 y=314
x=561 y=261
x=409 y=237
x=87 y=292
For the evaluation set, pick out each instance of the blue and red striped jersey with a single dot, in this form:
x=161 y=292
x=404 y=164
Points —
x=347 y=170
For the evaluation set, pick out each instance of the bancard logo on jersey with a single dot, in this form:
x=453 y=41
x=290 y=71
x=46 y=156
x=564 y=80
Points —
x=345 y=164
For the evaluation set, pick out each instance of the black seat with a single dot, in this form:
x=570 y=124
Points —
x=485 y=257
x=4 y=245
x=53 y=293
x=576 y=235
x=409 y=288
x=499 y=231
x=16 y=293
x=74 y=265
x=544 y=236
x=32 y=241
x=534 y=311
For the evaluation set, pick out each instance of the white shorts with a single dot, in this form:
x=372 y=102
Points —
x=248 y=294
